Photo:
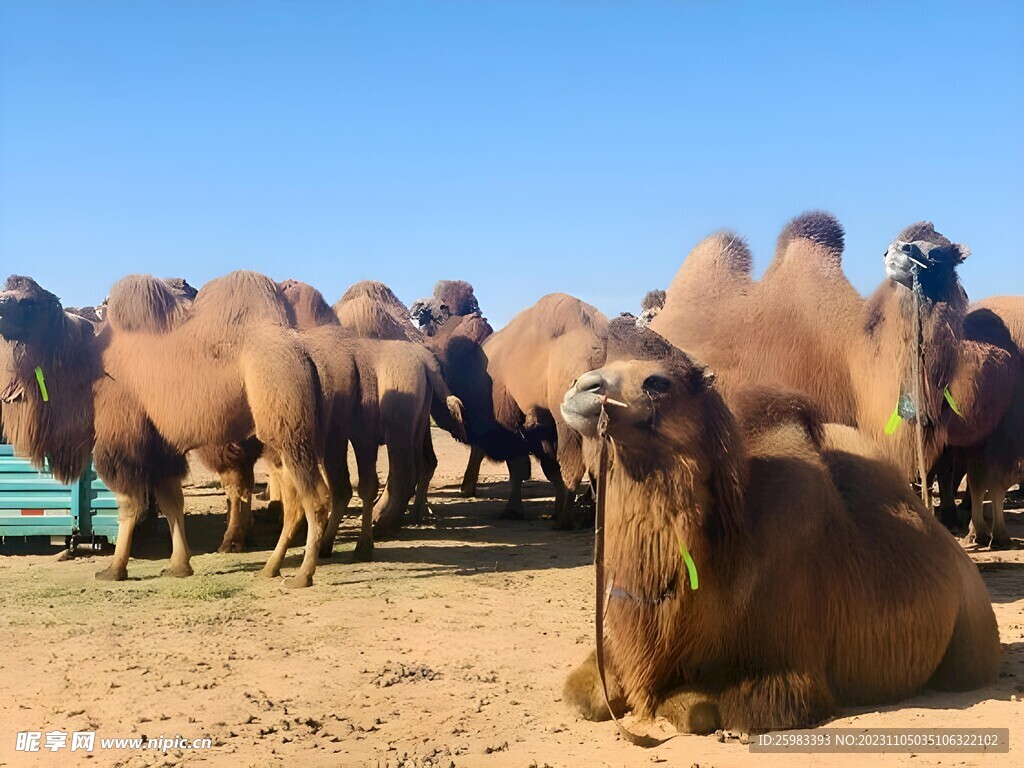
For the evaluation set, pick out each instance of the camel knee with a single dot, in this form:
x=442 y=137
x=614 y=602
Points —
x=582 y=692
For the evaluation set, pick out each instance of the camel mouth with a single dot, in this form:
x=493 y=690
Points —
x=581 y=411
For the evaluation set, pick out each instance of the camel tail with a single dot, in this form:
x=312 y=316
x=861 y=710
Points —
x=974 y=655
x=447 y=410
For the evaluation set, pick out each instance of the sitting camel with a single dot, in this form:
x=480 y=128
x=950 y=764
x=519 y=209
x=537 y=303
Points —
x=157 y=382
x=778 y=527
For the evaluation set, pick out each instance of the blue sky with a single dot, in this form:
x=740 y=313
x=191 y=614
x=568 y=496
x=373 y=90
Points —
x=527 y=147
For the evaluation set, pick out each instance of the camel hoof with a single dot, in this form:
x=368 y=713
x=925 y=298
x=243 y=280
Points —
x=364 y=552
x=268 y=573
x=326 y=553
x=112 y=574
x=1000 y=543
x=177 y=571
x=980 y=540
x=511 y=513
x=231 y=546
x=384 y=530
x=468 y=491
x=299 y=581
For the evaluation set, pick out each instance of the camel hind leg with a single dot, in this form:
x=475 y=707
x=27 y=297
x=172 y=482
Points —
x=366 y=465
x=974 y=654
x=980 y=531
x=773 y=701
x=1000 y=536
x=427 y=467
x=518 y=473
x=171 y=501
x=340 y=485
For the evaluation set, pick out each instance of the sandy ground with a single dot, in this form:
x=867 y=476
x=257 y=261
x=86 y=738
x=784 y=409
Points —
x=449 y=650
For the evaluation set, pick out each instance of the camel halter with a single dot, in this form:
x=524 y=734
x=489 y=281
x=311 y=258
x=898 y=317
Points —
x=601 y=592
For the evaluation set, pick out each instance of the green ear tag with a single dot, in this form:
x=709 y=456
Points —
x=42 y=385
x=894 y=421
x=952 y=402
x=691 y=567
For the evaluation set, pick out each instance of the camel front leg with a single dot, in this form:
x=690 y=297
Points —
x=238 y=490
x=130 y=508
x=518 y=473
x=316 y=520
x=171 y=501
x=582 y=692
x=472 y=474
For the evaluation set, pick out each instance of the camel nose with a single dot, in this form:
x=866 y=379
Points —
x=591 y=382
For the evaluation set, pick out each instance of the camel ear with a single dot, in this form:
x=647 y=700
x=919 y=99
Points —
x=701 y=378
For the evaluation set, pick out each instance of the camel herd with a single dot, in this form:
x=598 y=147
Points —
x=766 y=429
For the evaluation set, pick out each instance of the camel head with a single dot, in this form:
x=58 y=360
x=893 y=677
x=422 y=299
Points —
x=933 y=257
x=655 y=396
x=27 y=312
x=452 y=298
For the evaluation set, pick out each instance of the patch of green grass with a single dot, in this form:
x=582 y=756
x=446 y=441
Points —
x=205 y=589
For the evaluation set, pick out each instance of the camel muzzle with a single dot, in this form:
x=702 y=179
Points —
x=581 y=406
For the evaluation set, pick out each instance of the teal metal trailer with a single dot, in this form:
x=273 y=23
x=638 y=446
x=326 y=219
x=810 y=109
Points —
x=33 y=503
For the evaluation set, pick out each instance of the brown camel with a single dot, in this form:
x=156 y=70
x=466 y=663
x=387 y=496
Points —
x=805 y=327
x=154 y=384
x=987 y=444
x=370 y=310
x=769 y=523
x=455 y=329
x=396 y=387
x=530 y=362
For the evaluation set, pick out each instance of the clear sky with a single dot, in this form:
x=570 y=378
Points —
x=527 y=147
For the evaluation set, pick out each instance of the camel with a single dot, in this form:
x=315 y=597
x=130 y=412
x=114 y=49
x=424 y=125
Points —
x=769 y=523
x=515 y=408
x=805 y=327
x=987 y=443
x=370 y=310
x=377 y=393
x=455 y=329
x=156 y=382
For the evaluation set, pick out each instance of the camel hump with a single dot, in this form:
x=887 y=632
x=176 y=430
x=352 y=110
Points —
x=142 y=304
x=561 y=313
x=306 y=305
x=239 y=298
x=723 y=254
x=821 y=230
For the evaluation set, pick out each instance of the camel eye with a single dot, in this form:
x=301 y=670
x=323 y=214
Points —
x=657 y=384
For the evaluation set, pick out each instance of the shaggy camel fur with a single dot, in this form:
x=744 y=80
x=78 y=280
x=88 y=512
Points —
x=805 y=327
x=370 y=310
x=153 y=384
x=770 y=523
x=988 y=443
